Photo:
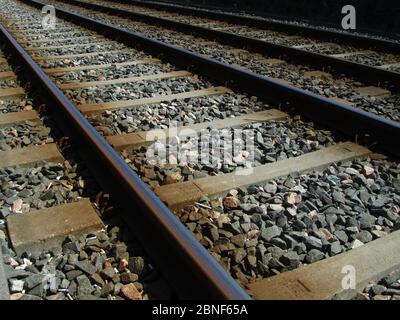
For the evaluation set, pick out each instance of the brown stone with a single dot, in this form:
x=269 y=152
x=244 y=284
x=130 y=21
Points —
x=230 y=202
x=325 y=234
x=172 y=178
x=379 y=233
x=362 y=296
x=129 y=291
x=368 y=170
x=150 y=173
x=16 y=296
x=380 y=297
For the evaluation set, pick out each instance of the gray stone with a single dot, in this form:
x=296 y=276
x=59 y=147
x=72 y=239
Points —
x=270 y=188
x=107 y=289
x=108 y=273
x=64 y=284
x=86 y=267
x=96 y=279
x=341 y=236
x=290 y=259
x=364 y=236
x=299 y=236
x=39 y=291
x=391 y=278
x=268 y=233
x=71 y=275
x=238 y=255
x=117 y=288
x=33 y=280
x=366 y=221
x=83 y=285
x=128 y=277
x=313 y=242
x=4 y=293
x=378 y=289
x=334 y=248
x=314 y=255
x=392 y=291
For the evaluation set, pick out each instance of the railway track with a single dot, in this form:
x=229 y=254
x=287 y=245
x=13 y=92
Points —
x=274 y=192
x=369 y=88
x=61 y=237
x=85 y=282
x=281 y=21
x=288 y=30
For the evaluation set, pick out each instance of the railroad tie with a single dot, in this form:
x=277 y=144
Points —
x=350 y=54
x=24 y=41
x=10 y=93
x=180 y=194
x=46 y=228
x=30 y=155
x=372 y=91
x=323 y=279
x=18 y=117
x=318 y=74
x=98 y=107
x=96 y=42
x=80 y=55
x=7 y=75
x=159 y=76
x=99 y=66
x=135 y=139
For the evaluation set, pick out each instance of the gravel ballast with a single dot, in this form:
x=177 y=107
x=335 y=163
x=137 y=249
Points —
x=217 y=152
x=263 y=230
x=175 y=113
x=387 y=288
x=114 y=72
x=337 y=87
x=135 y=90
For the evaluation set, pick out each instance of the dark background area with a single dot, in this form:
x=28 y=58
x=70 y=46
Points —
x=372 y=16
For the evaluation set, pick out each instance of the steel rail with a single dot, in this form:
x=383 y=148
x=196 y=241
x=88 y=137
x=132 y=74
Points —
x=341 y=117
x=343 y=37
x=359 y=71
x=290 y=20
x=183 y=261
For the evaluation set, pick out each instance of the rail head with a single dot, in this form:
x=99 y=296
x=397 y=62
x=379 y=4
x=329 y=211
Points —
x=351 y=121
x=347 y=37
x=194 y=274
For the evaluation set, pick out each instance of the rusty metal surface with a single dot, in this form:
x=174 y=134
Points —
x=189 y=268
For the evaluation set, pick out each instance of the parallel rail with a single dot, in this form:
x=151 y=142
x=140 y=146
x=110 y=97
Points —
x=360 y=71
x=314 y=23
x=151 y=220
x=351 y=121
x=352 y=39
x=158 y=229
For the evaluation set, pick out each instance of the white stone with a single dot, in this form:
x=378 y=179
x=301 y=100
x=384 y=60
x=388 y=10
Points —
x=16 y=285
x=356 y=243
x=368 y=170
